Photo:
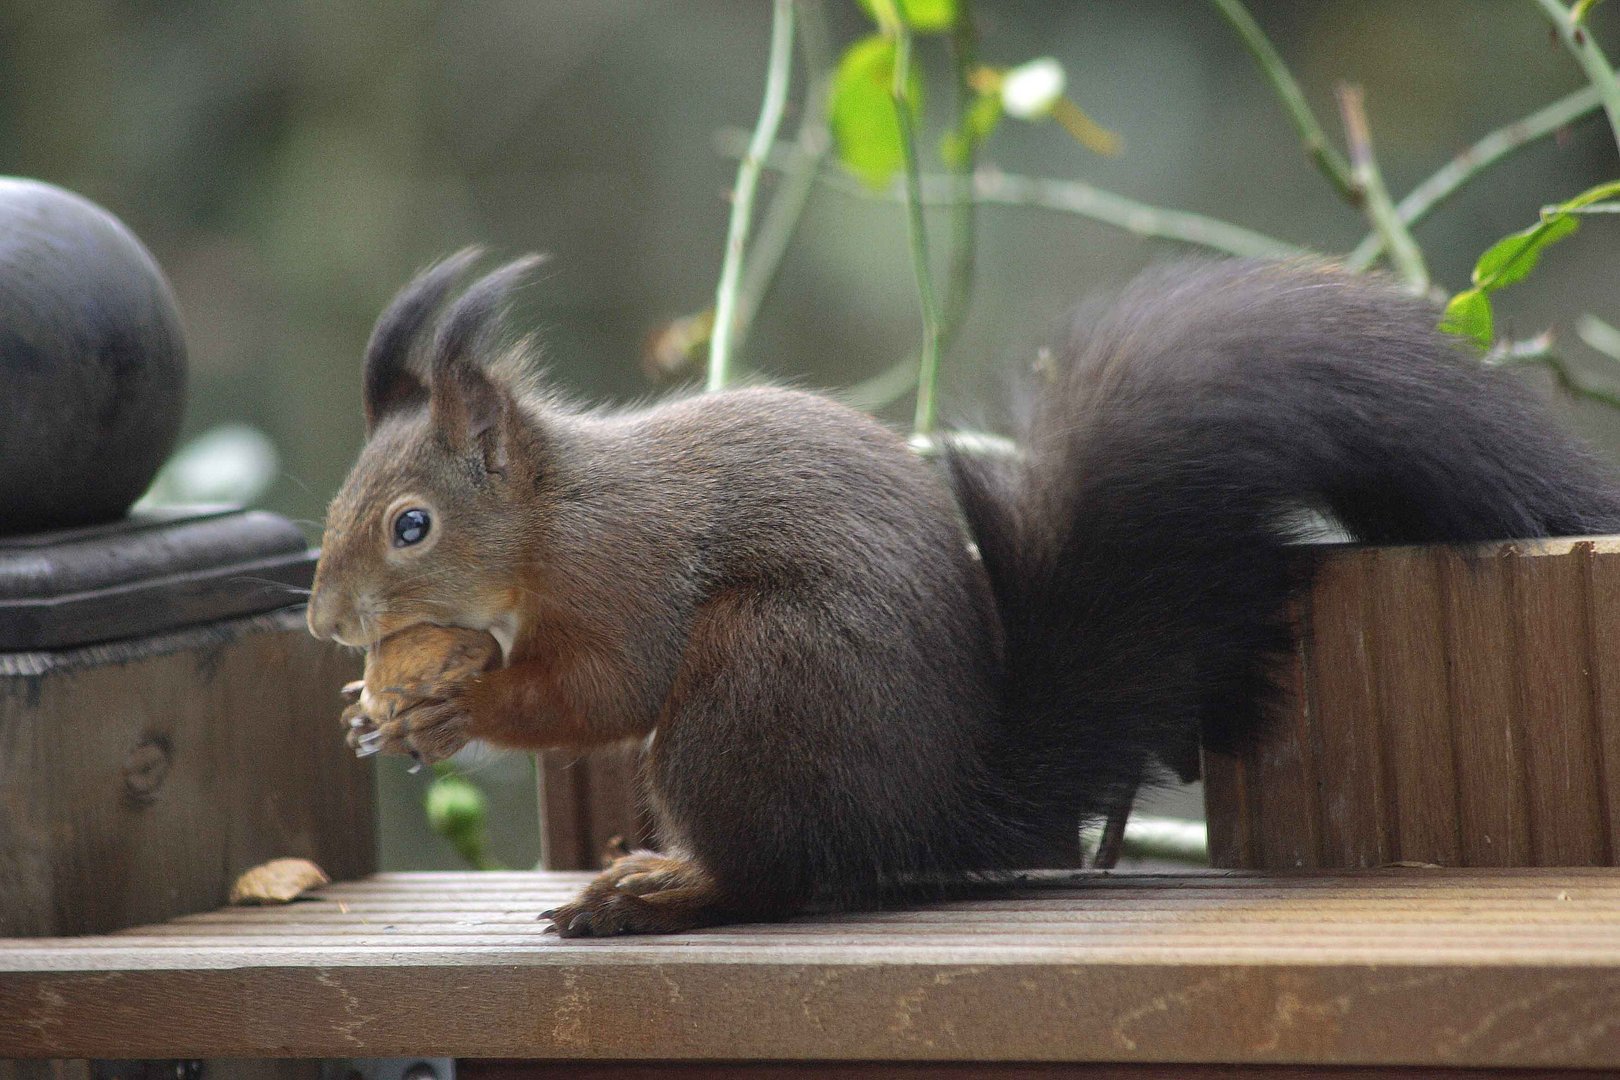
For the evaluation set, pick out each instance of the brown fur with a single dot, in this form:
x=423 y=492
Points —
x=743 y=573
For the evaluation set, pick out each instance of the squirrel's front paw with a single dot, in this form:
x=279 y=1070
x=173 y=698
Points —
x=428 y=729
x=410 y=701
x=434 y=728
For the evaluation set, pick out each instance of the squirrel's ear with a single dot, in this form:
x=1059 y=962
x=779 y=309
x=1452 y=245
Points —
x=389 y=381
x=471 y=408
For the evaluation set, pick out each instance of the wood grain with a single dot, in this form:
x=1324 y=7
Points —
x=1414 y=708
x=1441 y=968
x=586 y=801
x=960 y=1070
x=1343 y=719
x=1447 y=705
x=1485 y=724
x=137 y=789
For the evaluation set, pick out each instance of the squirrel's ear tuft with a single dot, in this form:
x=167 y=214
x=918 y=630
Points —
x=472 y=408
x=389 y=381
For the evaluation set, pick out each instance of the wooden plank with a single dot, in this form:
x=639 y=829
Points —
x=1524 y=1015
x=1279 y=769
x=1225 y=802
x=144 y=782
x=961 y=1070
x=564 y=818
x=1344 y=715
x=1438 y=968
x=78 y=1069
x=615 y=815
x=1460 y=706
x=1483 y=721
x=1555 y=697
x=586 y=801
x=1603 y=620
x=1413 y=704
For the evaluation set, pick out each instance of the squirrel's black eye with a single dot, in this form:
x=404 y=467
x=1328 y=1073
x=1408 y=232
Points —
x=411 y=527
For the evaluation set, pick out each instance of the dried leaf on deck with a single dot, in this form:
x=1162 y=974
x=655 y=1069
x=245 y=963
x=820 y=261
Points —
x=278 y=881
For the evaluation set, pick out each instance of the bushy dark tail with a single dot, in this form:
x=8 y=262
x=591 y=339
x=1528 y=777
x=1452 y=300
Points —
x=1137 y=551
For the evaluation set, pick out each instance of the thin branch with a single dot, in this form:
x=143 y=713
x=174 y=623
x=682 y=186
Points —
x=1403 y=250
x=742 y=206
x=991 y=187
x=916 y=230
x=810 y=145
x=1598 y=70
x=1599 y=336
x=1331 y=163
x=1141 y=219
x=959 y=289
x=1468 y=164
x=972 y=443
x=1533 y=350
x=885 y=388
x=1539 y=351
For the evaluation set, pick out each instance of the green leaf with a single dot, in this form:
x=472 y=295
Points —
x=1512 y=258
x=923 y=16
x=978 y=122
x=865 y=126
x=1469 y=315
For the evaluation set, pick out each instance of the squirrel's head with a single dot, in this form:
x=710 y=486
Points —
x=429 y=525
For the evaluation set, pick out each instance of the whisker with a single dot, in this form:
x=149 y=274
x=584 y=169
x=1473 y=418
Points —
x=295 y=478
x=271 y=583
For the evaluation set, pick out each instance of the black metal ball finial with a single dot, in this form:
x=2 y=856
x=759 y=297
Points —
x=92 y=361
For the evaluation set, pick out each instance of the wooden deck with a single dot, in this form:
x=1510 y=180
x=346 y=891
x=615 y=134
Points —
x=1416 y=967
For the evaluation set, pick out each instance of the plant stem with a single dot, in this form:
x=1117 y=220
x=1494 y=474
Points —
x=959 y=291
x=971 y=443
x=886 y=387
x=1539 y=351
x=916 y=227
x=1403 y=250
x=1084 y=200
x=1331 y=163
x=1598 y=71
x=781 y=218
x=992 y=187
x=742 y=206
x=1471 y=162
x=1599 y=336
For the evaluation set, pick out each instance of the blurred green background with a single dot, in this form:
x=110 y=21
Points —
x=291 y=163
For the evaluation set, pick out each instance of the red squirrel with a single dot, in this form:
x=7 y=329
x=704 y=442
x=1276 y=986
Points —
x=864 y=678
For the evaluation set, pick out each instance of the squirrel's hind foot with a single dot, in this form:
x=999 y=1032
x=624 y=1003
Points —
x=643 y=893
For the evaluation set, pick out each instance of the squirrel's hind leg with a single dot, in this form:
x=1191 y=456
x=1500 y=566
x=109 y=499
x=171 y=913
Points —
x=644 y=893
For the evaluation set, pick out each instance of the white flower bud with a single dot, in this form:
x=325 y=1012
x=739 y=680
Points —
x=1029 y=91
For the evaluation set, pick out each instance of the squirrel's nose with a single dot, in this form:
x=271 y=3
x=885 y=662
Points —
x=322 y=623
x=327 y=620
